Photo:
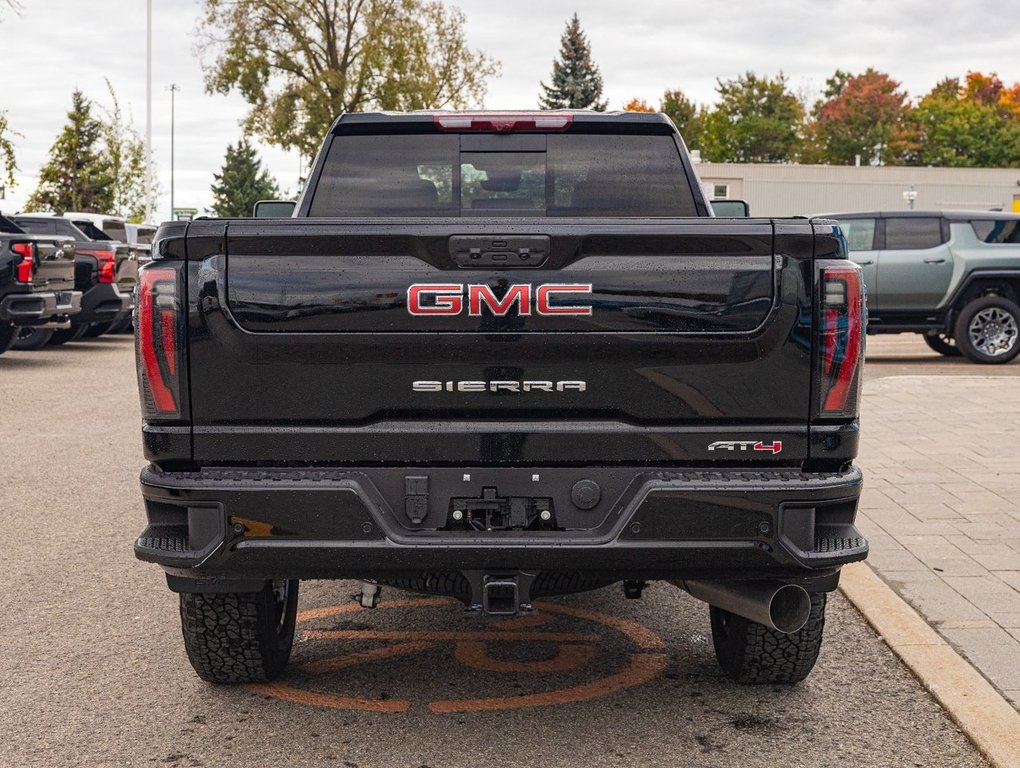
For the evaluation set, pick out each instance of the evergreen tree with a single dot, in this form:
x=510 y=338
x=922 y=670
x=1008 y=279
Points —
x=576 y=82
x=241 y=183
x=79 y=175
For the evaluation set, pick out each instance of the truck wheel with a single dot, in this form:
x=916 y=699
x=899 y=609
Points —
x=240 y=637
x=32 y=338
x=8 y=333
x=97 y=329
x=987 y=330
x=68 y=334
x=943 y=344
x=752 y=653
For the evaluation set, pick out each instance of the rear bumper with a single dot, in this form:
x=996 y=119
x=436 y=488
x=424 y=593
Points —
x=233 y=529
x=103 y=303
x=40 y=308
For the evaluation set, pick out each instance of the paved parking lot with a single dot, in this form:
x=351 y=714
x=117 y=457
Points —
x=93 y=670
x=941 y=505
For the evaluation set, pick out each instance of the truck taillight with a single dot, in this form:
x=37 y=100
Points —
x=841 y=341
x=159 y=343
x=26 y=267
x=107 y=264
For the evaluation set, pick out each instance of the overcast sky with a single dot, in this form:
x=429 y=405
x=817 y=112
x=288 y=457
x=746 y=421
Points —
x=642 y=47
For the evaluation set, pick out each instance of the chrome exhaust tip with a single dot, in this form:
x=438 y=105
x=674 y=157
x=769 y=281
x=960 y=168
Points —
x=782 y=607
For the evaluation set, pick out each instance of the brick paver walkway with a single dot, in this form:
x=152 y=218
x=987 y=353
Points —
x=941 y=508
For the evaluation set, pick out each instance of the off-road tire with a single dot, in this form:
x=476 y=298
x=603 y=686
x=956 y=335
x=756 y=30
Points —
x=68 y=334
x=8 y=333
x=751 y=653
x=943 y=344
x=28 y=338
x=240 y=637
x=962 y=335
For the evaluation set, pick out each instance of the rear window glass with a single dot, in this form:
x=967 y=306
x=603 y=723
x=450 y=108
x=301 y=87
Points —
x=144 y=235
x=115 y=229
x=576 y=175
x=92 y=232
x=860 y=234
x=9 y=227
x=37 y=226
x=913 y=233
x=997 y=231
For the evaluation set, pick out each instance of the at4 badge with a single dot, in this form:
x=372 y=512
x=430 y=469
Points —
x=747 y=445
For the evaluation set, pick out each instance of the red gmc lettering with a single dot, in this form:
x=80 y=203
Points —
x=477 y=294
x=546 y=293
x=449 y=299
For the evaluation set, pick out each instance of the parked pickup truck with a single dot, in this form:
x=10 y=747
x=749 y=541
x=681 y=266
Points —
x=952 y=276
x=104 y=272
x=501 y=356
x=36 y=281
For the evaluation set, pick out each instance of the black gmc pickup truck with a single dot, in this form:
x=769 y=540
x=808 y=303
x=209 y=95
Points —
x=500 y=356
x=36 y=282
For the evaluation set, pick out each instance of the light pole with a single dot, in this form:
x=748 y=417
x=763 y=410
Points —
x=148 y=111
x=173 y=88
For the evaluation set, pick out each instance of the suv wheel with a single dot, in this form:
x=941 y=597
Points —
x=32 y=338
x=752 y=653
x=68 y=334
x=988 y=330
x=240 y=637
x=942 y=343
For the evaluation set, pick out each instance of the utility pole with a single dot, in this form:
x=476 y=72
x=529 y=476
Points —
x=148 y=111
x=173 y=88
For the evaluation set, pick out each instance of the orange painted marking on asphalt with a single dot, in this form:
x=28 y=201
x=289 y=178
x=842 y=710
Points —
x=287 y=692
x=333 y=610
x=441 y=636
x=641 y=635
x=363 y=657
x=475 y=654
x=522 y=622
x=642 y=668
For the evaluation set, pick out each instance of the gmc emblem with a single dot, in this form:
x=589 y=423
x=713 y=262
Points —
x=449 y=299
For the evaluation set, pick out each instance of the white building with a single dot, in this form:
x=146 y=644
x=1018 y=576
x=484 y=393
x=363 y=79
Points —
x=799 y=190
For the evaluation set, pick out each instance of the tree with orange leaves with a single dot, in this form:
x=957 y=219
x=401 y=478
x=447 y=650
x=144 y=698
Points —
x=637 y=105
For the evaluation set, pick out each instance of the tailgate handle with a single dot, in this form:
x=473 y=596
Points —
x=499 y=251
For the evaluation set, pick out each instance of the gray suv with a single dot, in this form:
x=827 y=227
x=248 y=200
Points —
x=952 y=276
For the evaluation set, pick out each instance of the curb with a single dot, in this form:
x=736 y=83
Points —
x=988 y=720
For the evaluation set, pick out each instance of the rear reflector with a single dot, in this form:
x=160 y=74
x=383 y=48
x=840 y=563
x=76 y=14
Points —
x=158 y=346
x=26 y=267
x=841 y=337
x=508 y=122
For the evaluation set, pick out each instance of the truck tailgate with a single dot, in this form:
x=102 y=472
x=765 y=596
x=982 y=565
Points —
x=643 y=341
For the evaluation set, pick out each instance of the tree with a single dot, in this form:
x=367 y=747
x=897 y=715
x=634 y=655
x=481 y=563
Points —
x=79 y=175
x=241 y=183
x=863 y=115
x=301 y=63
x=8 y=162
x=687 y=116
x=756 y=120
x=125 y=149
x=576 y=82
x=972 y=125
x=637 y=105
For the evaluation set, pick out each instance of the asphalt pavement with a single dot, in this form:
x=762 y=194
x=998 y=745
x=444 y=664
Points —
x=93 y=670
